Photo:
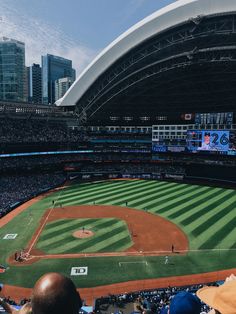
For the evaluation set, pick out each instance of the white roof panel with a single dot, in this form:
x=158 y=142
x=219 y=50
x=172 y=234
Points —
x=167 y=17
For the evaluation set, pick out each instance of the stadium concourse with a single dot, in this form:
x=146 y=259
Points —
x=149 y=128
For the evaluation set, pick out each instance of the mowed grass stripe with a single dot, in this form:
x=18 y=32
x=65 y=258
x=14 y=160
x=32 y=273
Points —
x=229 y=239
x=212 y=217
x=163 y=205
x=91 y=191
x=207 y=206
x=75 y=246
x=118 y=246
x=73 y=189
x=59 y=240
x=233 y=246
x=195 y=202
x=96 y=197
x=113 y=194
x=168 y=196
x=190 y=203
x=103 y=245
x=162 y=191
x=210 y=233
x=128 y=192
x=144 y=195
x=58 y=225
x=52 y=232
x=94 y=185
x=163 y=197
x=55 y=223
x=219 y=234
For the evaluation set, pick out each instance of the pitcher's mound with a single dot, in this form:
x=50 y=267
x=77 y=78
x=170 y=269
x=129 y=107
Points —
x=81 y=234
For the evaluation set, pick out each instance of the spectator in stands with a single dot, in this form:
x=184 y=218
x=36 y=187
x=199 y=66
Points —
x=222 y=299
x=6 y=306
x=185 y=303
x=26 y=309
x=18 y=188
x=54 y=293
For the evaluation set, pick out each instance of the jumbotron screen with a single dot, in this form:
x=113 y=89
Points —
x=221 y=141
x=201 y=141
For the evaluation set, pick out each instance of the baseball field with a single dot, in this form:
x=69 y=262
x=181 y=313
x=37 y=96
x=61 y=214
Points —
x=113 y=231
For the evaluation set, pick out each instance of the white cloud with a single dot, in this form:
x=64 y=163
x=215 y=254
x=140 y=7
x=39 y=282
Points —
x=41 y=38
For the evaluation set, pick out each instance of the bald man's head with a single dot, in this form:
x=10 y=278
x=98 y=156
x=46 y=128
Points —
x=54 y=293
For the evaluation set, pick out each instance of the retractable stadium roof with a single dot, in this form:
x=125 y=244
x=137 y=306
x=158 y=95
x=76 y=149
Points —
x=181 y=58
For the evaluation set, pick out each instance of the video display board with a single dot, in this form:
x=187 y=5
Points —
x=208 y=140
x=202 y=141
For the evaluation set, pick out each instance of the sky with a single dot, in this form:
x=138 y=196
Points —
x=73 y=29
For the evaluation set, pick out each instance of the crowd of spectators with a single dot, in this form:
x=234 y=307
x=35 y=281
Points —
x=15 y=188
x=30 y=162
x=155 y=301
x=37 y=131
x=10 y=301
x=54 y=293
x=194 y=299
x=132 y=168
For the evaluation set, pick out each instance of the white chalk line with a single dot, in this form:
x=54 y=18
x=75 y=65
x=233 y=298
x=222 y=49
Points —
x=137 y=262
x=44 y=223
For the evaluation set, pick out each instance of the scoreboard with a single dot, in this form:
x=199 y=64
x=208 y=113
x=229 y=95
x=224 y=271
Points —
x=201 y=142
x=208 y=140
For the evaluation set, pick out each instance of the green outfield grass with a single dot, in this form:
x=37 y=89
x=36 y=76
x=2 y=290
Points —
x=206 y=214
x=110 y=235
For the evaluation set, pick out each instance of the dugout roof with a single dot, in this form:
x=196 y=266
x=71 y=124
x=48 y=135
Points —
x=180 y=59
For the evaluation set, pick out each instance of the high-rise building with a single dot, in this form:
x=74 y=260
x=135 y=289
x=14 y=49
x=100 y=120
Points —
x=26 y=87
x=53 y=68
x=12 y=69
x=35 y=84
x=73 y=75
x=61 y=86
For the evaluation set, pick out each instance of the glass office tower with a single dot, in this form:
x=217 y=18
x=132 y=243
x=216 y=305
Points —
x=35 y=84
x=53 y=68
x=12 y=69
x=61 y=86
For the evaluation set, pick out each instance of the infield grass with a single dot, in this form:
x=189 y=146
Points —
x=110 y=235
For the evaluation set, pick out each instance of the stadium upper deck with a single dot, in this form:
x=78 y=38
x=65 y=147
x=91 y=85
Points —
x=181 y=59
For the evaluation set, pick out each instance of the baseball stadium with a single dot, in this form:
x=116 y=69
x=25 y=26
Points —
x=127 y=183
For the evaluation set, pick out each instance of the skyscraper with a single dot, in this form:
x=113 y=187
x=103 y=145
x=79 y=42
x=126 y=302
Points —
x=53 y=68
x=61 y=86
x=12 y=69
x=35 y=84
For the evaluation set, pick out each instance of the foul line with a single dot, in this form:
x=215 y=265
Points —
x=31 y=219
x=137 y=262
x=116 y=254
x=44 y=223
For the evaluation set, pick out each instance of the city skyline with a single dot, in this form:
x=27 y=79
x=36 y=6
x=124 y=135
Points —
x=77 y=30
